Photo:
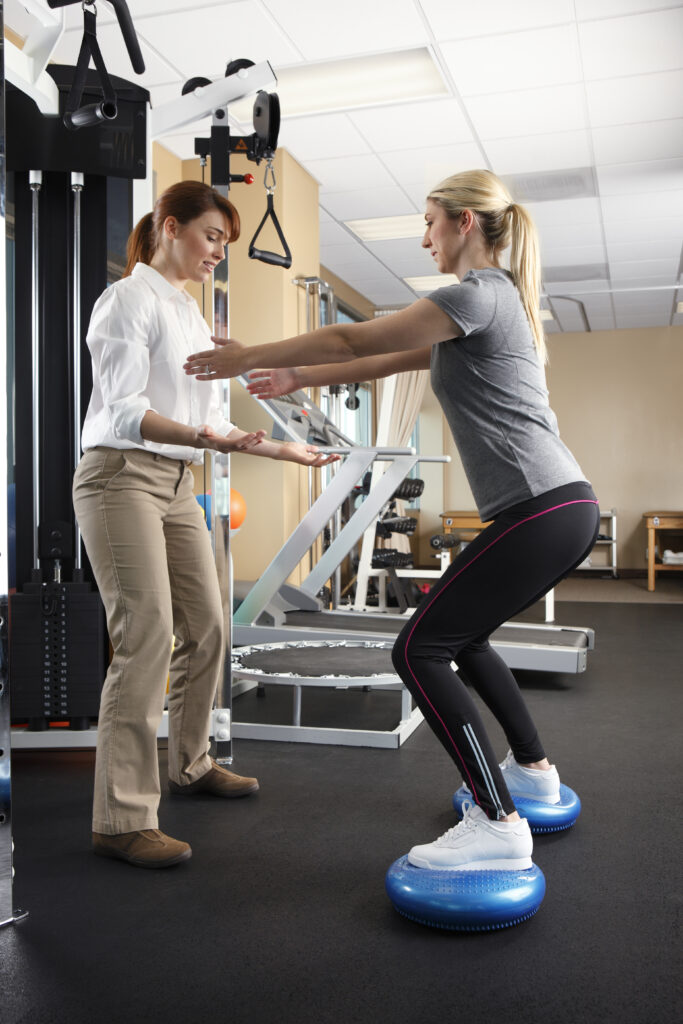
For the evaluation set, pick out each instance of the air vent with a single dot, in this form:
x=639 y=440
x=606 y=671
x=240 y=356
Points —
x=544 y=186
x=585 y=272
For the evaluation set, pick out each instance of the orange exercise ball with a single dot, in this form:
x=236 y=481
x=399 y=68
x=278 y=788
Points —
x=238 y=509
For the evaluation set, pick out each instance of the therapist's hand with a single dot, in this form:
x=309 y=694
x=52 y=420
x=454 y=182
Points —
x=226 y=360
x=236 y=441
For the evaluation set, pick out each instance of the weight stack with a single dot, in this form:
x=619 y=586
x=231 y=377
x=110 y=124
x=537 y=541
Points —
x=58 y=653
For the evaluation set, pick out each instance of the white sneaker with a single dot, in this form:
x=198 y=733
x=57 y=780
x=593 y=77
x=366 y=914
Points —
x=531 y=783
x=477 y=844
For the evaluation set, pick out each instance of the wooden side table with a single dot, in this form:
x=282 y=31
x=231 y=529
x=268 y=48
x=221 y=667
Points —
x=655 y=522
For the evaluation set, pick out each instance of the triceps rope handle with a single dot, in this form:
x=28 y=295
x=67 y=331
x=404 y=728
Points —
x=283 y=259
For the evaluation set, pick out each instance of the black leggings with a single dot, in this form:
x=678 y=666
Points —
x=512 y=563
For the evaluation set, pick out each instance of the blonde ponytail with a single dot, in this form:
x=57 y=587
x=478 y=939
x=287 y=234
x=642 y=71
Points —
x=525 y=267
x=503 y=223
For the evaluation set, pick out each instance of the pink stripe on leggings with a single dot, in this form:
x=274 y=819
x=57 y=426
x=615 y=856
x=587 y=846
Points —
x=580 y=501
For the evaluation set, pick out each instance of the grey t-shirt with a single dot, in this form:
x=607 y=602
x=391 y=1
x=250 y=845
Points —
x=492 y=389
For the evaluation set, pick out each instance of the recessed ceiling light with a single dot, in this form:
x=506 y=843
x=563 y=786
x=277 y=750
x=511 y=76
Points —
x=546 y=315
x=679 y=307
x=372 y=81
x=380 y=229
x=431 y=282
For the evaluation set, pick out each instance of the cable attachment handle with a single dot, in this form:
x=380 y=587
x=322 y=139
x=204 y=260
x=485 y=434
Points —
x=273 y=258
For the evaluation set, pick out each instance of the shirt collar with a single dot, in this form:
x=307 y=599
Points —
x=158 y=283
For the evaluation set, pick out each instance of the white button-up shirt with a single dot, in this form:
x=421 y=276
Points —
x=141 y=330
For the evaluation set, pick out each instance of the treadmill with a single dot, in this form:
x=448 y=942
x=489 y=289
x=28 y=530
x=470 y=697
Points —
x=274 y=611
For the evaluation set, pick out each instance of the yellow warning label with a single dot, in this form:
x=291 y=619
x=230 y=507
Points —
x=241 y=145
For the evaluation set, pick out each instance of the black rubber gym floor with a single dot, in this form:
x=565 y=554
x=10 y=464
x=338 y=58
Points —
x=281 y=913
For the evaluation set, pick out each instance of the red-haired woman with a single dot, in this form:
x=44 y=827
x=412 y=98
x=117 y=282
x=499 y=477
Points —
x=143 y=529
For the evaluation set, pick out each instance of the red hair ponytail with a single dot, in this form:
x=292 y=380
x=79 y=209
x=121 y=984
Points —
x=186 y=200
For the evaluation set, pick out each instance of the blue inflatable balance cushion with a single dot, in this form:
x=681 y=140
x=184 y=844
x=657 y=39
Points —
x=470 y=901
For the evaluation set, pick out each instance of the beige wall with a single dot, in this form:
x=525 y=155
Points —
x=618 y=396
x=348 y=295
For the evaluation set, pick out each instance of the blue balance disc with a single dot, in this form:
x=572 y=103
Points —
x=541 y=817
x=468 y=901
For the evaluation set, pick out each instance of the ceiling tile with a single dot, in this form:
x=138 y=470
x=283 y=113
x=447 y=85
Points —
x=645 y=269
x=528 y=112
x=142 y=9
x=320 y=30
x=639 y=283
x=602 y=323
x=627 y=321
x=351 y=256
x=552 y=152
x=555 y=236
x=658 y=175
x=636 y=249
x=590 y=10
x=204 y=46
x=368 y=202
x=643 y=204
x=642 y=228
x=431 y=164
x=348 y=173
x=400 y=249
x=323 y=137
x=578 y=288
x=636 y=98
x=389 y=294
x=423 y=124
x=158 y=70
x=632 y=45
x=573 y=256
x=539 y=58
x=332 y=233
x=564 y=212
x=493 y=16
x=626 y=143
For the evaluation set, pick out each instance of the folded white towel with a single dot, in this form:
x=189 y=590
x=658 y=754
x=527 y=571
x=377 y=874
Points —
x=672 y=557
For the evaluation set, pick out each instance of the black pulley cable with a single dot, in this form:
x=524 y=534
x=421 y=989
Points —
x=275 y=259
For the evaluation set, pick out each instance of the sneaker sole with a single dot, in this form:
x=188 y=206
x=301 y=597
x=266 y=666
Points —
x=509 y=864
x=168 y=863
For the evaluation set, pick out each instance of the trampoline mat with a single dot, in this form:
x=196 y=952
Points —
x=507 y=634
x=320 y=661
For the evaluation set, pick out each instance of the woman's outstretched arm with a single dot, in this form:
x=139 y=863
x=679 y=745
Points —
x=418 y=327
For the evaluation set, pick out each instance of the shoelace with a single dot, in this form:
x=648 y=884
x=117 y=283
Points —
x=467 y=824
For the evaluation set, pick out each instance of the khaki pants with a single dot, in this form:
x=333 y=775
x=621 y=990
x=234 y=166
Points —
x=150 y=552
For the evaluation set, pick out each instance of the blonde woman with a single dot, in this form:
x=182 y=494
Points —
x=143 y=530
x=483 y=341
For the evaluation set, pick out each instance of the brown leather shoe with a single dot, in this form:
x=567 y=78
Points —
x=219 y=782
x=148 y=848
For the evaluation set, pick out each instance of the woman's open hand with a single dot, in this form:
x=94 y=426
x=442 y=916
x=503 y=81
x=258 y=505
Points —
x=226 y=360
x=236 y=441
x=272 y=383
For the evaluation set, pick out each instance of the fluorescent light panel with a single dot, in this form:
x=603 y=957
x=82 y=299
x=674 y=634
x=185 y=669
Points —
x=372 y=81
x=382 y=229
x=431 y=282
x=546 y=315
